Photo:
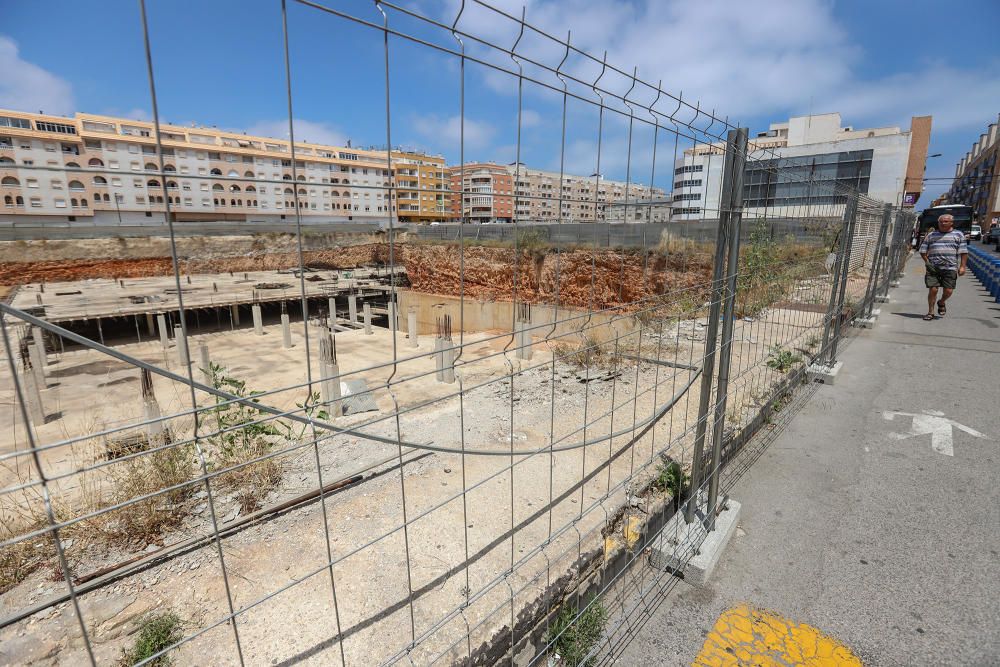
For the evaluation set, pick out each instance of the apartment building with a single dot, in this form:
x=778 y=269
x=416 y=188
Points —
x=101 y=170
x=799 y=163
x=487 y=191
x=503 y=193
x=977 y=178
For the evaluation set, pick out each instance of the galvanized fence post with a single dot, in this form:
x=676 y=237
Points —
x=711 y=335
x=892 y=258
x=735 y=215
x=872 y=288
x=845 y=270
x=850 y=207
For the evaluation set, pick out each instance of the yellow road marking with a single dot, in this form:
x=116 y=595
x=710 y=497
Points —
x=744 y=636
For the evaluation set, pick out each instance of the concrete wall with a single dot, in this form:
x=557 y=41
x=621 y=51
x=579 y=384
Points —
x=498 y=317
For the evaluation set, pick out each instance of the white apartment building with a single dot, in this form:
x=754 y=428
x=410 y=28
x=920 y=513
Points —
x=539 y=195
x=104 y=171
x=800 y=162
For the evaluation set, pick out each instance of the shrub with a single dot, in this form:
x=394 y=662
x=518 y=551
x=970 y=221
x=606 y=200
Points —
x=573 y=634
x=781 y=359
x=156 y=633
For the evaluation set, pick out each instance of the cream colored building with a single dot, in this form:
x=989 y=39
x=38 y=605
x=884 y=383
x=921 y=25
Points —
x=104 y=171
x=539 y=195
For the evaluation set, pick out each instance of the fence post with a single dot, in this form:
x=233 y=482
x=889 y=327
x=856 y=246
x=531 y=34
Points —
x=892 y=257
x=872 y=288
x=711 y=335
x=850 y=207
x=735 y=214
x=845 y=270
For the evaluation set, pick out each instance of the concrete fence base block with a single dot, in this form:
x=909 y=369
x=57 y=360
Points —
x=676 y=551
x=868 y=322
x=822 y=373
x=882 y=298
x=894 y=283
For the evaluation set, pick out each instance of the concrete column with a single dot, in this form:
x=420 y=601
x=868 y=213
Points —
x=161 y=323
x=150 y=325
x=182 y=350
x=150 y=409
x=330 y=387
x=258 y=320
x=32 y=396
x=333 y=310
x=525 y=341
x=286 y=330
x=368 y=317
x=352 y=307
x=206 y=363
x=439 y=358
x=393 y=321
x=235 y=311
x=37 y=356
x=411 y=327
x=448 y=353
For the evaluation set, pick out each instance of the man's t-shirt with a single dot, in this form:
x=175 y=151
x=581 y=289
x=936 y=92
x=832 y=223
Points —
x=943 y=249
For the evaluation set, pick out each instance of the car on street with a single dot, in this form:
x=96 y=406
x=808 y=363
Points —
x=975 y=233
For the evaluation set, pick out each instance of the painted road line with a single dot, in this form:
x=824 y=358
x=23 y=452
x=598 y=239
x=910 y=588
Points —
x=748 y=636
x=935 y=423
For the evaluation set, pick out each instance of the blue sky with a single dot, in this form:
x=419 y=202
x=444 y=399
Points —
x=221 y=63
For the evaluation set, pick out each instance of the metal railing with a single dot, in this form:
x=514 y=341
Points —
x=494 y=503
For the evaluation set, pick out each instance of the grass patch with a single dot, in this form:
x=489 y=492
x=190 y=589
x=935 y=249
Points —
x=671 y=478
x=573 y=634
x=155 y=634
x=781 y=359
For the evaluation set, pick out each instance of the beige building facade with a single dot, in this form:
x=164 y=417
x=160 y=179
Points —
x=101 y=170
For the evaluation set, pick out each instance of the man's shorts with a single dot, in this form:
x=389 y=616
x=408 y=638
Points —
x=936 y=277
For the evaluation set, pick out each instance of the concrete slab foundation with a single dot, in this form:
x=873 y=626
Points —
x=823 y=373
x=675 y=551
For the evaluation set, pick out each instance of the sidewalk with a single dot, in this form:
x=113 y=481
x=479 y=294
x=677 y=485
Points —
x=857 y=528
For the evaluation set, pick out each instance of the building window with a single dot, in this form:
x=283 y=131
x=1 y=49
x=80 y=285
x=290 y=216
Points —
x=10 y=181
x=61 y=128
x=20 y=123
x=31 y=182
x=35 y=202
x=60 y=203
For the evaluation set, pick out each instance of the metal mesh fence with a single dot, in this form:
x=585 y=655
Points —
x=466 y=470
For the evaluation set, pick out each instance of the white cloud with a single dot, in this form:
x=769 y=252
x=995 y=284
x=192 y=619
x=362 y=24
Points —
x=307 y=131
x=764 y=58
x=444 y=130
x=28 y=87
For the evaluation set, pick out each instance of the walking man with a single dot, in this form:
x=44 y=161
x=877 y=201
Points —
x=945 y=253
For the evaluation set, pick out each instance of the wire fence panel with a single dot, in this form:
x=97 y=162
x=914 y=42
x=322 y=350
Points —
x=450 y=444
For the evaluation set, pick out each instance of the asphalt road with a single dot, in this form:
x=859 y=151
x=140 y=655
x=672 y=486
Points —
x=890 y=547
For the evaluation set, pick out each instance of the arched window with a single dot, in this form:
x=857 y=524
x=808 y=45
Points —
x=301 y=177
x=152 y=183
x=12 y=182
x=248 y=174
x=19 y=200
x=106 y=197
x=251 y=188
x=286 y=177
x=69 y=165
x=335 y=180
x=216 y=172
x=100 y=180
x=6 y=160
x=334 y=194
x=150 y=166
x=95 y=162
x=75 y=185
x=345 y=182
x=169 y=168
x=288 y=191
x=74 y=203
x=8 y=200
x=171 y=185
x=254 y=202
x=215 y=201
x=83 y=203
x=233 y=174
x=217 y=188
x=240 y=202
x=302 y=191
x=234 y=188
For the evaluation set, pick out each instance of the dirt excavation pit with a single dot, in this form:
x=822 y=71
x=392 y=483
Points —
x=537 y=470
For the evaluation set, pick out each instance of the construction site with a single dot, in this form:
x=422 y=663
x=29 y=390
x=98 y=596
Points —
x=338 y=447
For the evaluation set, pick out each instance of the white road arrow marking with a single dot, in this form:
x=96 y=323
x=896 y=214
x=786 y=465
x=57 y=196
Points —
x=935 y=423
